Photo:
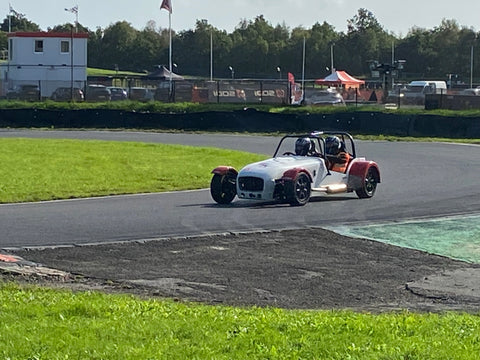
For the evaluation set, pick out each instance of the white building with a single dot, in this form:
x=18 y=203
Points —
x=49 y=60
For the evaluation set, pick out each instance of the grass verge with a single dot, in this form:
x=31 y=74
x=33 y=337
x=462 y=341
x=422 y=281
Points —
x=45 y=324
x=38 y=169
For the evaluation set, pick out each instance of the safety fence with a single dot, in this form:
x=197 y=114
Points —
x=250 y=120
x=199 y=91
x=245 y=91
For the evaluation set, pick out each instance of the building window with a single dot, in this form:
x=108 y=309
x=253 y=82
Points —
x=65 y=46
x=39 y=46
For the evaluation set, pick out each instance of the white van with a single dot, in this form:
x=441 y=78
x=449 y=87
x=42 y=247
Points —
x=416 y=90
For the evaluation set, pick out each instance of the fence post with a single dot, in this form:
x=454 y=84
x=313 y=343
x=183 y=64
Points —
x=261 y=92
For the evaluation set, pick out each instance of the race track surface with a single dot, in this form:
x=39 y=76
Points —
x=419 y=180
x=164 y=244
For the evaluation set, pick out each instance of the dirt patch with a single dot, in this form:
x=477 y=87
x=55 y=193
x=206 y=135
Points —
x=303 y=269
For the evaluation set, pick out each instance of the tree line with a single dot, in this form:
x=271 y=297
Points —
x=258 y=49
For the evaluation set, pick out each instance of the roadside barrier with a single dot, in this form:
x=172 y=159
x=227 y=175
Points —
x=248 y=120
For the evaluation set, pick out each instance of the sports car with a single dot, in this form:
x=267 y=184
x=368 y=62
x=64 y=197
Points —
x=322 y=162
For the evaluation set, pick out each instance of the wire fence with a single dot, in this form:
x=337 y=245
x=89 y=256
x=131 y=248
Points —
x=240 y=91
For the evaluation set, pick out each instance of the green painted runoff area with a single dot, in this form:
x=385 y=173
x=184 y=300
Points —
x=455 y=237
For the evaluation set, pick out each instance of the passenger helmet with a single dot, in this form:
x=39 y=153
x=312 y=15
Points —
x=302 y=146
x=333 y=145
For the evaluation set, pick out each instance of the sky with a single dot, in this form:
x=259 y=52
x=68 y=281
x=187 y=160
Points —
x=397 y=17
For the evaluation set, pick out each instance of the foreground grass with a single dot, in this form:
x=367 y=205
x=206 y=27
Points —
x=45 y=324
x=39 y=169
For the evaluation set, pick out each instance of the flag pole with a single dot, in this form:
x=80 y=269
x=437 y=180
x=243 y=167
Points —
x=211 y=55
x=167 y=5
x=303 y=71
x=170 y=50
x=10 y=18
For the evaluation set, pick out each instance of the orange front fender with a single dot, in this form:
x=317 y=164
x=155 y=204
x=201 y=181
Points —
x=223 y=170
x=292 y=174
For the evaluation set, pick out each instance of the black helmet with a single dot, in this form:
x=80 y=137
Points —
x=333 y=145
x=302 y=146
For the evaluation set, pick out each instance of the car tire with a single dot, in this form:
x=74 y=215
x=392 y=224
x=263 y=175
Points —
x=300 y=190
x=223 y=188
x=369 y=184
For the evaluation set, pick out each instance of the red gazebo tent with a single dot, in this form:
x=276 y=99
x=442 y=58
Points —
x=340 y=78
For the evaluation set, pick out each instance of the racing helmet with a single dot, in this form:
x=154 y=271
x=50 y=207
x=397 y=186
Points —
x=333 y=145
x=302 y=146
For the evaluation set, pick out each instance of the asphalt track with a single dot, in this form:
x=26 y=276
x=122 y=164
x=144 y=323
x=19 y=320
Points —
x=419 y=180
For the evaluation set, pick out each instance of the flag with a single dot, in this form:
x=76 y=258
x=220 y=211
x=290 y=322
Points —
x=16 y=13
x=291 y=78
x=73 y=9
x=167 y=5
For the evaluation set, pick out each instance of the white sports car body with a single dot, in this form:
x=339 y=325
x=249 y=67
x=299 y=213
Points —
x=293 y=178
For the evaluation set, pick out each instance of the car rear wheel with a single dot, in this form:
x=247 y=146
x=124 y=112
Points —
x=300 y=190
x=223 y=188
x=369 y=184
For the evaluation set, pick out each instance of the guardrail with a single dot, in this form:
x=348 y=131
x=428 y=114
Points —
x=248 y=120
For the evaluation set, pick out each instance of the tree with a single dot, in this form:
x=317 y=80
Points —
x=118 y=46
x=363 y=21
x=19 y=23
x=67 y=28
x=256 y=48
x=365 y=40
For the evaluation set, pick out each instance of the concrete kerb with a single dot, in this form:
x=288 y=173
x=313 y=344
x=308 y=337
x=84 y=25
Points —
x=11 y=264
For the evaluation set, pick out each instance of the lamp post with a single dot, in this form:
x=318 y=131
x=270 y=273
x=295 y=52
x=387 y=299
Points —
x=471 y=67
x=74 y=10
x=72 y=59
x=232 y=71
x=279 y=70
x=331 y=58
x=471 y=62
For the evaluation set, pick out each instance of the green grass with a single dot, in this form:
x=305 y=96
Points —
x=106 y=72
x=38 y=169
x=45 y=324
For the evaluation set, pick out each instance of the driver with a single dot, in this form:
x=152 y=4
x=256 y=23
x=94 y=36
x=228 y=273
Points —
x=336 y=154
x=302 y=146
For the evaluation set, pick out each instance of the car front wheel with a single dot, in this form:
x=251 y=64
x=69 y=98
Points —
x=223 y=188
x=300 y=190
x=369 y=184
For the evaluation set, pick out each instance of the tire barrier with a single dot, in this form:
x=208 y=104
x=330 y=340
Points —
x=247 y=120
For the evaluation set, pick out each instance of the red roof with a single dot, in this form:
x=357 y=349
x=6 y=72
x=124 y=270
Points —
x=339 y=78
x=44 y=34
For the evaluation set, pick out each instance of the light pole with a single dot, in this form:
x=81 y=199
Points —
x=471 y=67
x=331 y=58
x=232 y=71
x=74 y=10
x=471 y=62
x=279 y=70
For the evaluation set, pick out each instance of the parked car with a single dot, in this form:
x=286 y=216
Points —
x=474 y=91
x=27 y=92
x=140 y=94
x=97 y=93
x=291 y=176
x=117 y=93
x=67 y=94
x=325 y=97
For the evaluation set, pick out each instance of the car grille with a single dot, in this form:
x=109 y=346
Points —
x=249 y=183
